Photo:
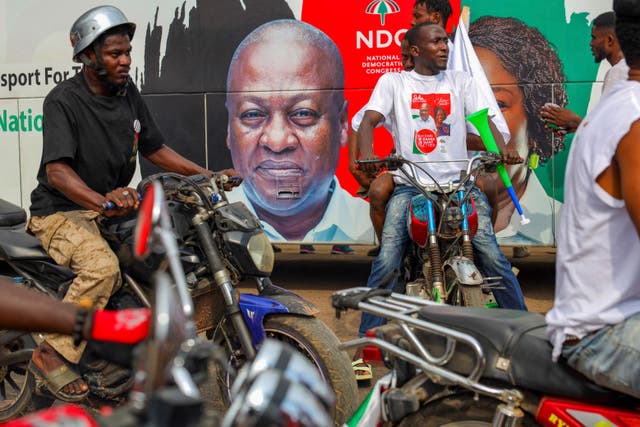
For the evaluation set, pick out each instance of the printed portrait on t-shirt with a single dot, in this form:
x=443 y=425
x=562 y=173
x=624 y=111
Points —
x=428 y=135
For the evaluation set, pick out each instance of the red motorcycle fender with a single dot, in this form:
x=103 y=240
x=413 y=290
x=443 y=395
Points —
x=472 y=219
x=418 y=221
x=564 y=413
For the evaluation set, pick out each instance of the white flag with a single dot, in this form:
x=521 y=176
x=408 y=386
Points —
x=462 y=57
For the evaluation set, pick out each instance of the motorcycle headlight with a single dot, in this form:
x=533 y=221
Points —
x=261 y=252
x=252 y=252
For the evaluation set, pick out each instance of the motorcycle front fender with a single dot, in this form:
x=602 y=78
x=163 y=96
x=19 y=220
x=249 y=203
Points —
x=465 y=270
x=272 y=300
x=294 y=302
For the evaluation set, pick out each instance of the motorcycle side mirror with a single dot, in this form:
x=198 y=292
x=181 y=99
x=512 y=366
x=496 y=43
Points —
x=153 y=212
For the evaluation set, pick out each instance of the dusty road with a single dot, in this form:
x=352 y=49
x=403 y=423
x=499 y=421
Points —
x=316 y=276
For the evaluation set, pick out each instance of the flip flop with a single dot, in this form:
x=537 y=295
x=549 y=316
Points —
x=56 y=380
x=362 y=370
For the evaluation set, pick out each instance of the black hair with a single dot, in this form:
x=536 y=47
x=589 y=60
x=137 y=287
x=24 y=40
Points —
x=628 y=29
x=414 y=32
x=607 y=20
x=443 y=7
x=527 y=55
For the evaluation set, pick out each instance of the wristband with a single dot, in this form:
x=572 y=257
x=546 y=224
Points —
x=78 y=326
x=84 y=306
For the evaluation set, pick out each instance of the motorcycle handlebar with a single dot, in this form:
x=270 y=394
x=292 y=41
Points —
x=391 y=162
x=488 y=160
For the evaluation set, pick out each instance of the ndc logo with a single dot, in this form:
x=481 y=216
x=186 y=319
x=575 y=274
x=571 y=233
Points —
x=382 y=8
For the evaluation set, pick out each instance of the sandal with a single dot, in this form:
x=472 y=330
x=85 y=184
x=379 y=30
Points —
x=56 y=380
x=362 y=370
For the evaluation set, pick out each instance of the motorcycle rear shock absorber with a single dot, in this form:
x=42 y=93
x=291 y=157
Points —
x=434 y=256
x=467 y=248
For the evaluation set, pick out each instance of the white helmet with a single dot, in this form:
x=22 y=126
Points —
x=93 y=23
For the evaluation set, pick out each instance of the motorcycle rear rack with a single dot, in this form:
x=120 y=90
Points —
x=403 y=310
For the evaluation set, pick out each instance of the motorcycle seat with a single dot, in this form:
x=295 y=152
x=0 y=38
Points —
x=16 y=244
x=517 y=352
x=11 y=216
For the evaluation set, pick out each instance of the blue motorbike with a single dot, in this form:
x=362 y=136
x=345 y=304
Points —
x=220 y=244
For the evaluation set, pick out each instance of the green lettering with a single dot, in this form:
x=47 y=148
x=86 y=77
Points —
x=22 y=122
x=23 y=118
x=14 y=124
x=37 y=123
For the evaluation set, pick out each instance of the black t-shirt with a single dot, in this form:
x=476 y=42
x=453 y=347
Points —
x=99 y=136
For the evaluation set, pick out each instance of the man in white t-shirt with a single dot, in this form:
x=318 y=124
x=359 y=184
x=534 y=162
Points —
x=396 y=98
x=604 y=45
x=595 y=319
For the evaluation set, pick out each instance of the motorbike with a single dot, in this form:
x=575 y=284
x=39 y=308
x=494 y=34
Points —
x=472 y=366
x=220 y=244
x=173 y=362
x=442 y=220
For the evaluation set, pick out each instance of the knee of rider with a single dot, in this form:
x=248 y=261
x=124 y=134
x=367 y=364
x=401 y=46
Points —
x=103 y=266
x=379 y=196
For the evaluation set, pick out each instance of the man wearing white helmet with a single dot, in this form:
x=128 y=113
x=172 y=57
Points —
x=93 y=127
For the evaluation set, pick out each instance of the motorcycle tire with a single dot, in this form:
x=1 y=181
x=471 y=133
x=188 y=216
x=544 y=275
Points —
x=472 y=295
x=319 y=344
x=459 y=410
x=17 y=384
x=465 y=295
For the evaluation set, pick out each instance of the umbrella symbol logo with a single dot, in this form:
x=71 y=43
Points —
x=382 y=8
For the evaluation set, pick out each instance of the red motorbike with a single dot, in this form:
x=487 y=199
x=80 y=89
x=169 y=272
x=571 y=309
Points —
x=472 y=366
x=442 y=220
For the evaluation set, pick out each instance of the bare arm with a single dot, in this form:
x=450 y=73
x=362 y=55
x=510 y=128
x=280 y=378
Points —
x=363 y=178
x=169 y=160
x=64 y=179
x=26 y=310
x=365 y=137
x=474 y=142
x=627 y=158
x=22 y=309
x=352 y=144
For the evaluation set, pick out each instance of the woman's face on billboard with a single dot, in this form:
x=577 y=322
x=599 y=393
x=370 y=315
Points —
x=512 y=105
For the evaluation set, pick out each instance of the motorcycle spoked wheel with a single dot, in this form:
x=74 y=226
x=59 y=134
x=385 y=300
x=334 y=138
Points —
x=459 y=410
x=17 y=385
x=318 y=343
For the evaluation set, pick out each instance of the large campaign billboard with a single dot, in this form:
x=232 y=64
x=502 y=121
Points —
x=295 y=99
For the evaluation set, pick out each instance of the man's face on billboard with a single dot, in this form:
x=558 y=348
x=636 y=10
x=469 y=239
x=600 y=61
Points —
x=286 y=125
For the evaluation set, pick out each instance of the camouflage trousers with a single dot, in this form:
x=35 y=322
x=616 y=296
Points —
x=73 y=240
